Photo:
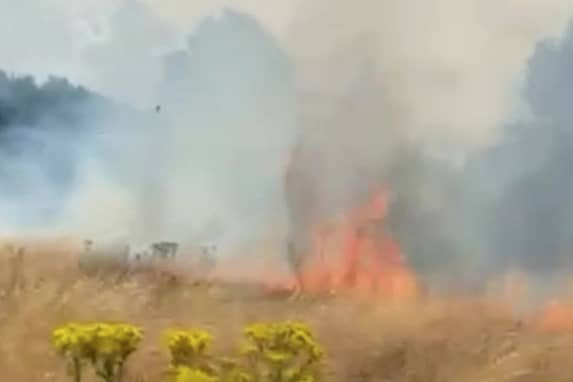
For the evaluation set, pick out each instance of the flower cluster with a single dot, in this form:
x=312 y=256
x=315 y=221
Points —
x=272 y=352
x=188 y=347
x=106 y=347
x=282 y=352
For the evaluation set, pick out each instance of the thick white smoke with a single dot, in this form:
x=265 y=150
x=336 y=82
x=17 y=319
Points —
x=450 y=69
x=206 y=164
x=450 y=73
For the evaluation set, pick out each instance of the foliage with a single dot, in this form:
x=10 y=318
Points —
x=106 y=347
x=188 y=350
x=231 y=370
x=73 y=343
x=282 y=352
x=272 y=352
x=188 y=347
x=189 y=374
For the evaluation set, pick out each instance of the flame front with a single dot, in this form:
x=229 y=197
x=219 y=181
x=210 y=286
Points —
x=356 y=253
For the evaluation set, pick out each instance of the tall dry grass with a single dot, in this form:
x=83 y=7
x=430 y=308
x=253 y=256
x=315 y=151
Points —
x=434 y=340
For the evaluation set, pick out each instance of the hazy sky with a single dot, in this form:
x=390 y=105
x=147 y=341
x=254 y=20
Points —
x=451 y=70
x=451 y=67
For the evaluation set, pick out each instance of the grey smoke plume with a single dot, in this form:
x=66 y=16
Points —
x=534 y=214
x=230 y=100
x=424 y=95
x=510 y=205
x=205 y=165
x=53 y=148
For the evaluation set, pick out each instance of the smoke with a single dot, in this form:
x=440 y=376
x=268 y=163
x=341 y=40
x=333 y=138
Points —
x=434 y=98
x=431 y=98
x=51 y=141
x=204 y=165
x=534 y=213
x=449 y=71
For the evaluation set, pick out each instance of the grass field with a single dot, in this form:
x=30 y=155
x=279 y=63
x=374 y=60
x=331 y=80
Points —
x=462 y=340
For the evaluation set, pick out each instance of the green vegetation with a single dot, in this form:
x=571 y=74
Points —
x=282 y=352
x=104 y=347
x=271 y=352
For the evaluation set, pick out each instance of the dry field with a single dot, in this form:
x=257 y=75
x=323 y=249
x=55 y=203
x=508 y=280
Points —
x=432 y=340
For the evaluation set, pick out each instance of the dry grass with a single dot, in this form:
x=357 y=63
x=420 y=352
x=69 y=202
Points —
x=424 y=341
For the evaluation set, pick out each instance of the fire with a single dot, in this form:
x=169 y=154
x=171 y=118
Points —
x=356 y=253
x=555 y=317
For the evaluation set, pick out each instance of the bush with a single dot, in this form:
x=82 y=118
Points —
x=282 y=352
x=272 y=352
x=105 y=347
x=189 y=358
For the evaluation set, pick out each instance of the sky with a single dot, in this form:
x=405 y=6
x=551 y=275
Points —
x=453 y=75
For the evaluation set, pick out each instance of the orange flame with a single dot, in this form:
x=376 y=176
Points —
x=356 y=254
x=557 y=316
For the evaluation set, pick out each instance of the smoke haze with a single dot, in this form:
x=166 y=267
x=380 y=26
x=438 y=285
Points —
x=460 y=105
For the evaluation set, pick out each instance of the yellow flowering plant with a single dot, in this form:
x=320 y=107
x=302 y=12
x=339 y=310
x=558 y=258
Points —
x=272 y=352
x=282 y=352
x=72 y=342
x=188 y=350
x=106 y=347
x=231 y=370
x=190 y=361
x=188 y=347
x=188 y=374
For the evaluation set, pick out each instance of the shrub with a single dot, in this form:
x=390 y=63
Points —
x=105 y=347
x=282 y=352
x=189 y=347
x=272 y=352
x=188 y=374
x=188 y=350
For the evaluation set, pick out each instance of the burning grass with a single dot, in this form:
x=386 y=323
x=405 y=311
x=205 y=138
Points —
x=458 y=339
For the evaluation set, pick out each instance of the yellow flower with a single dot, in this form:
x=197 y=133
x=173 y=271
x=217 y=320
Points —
x=187 y=374
x=284 y=351
x=72 y=340
x=188 y=347
x=105 y=346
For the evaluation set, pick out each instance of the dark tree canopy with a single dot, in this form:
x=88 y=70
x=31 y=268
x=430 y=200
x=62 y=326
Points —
x=42 y=128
